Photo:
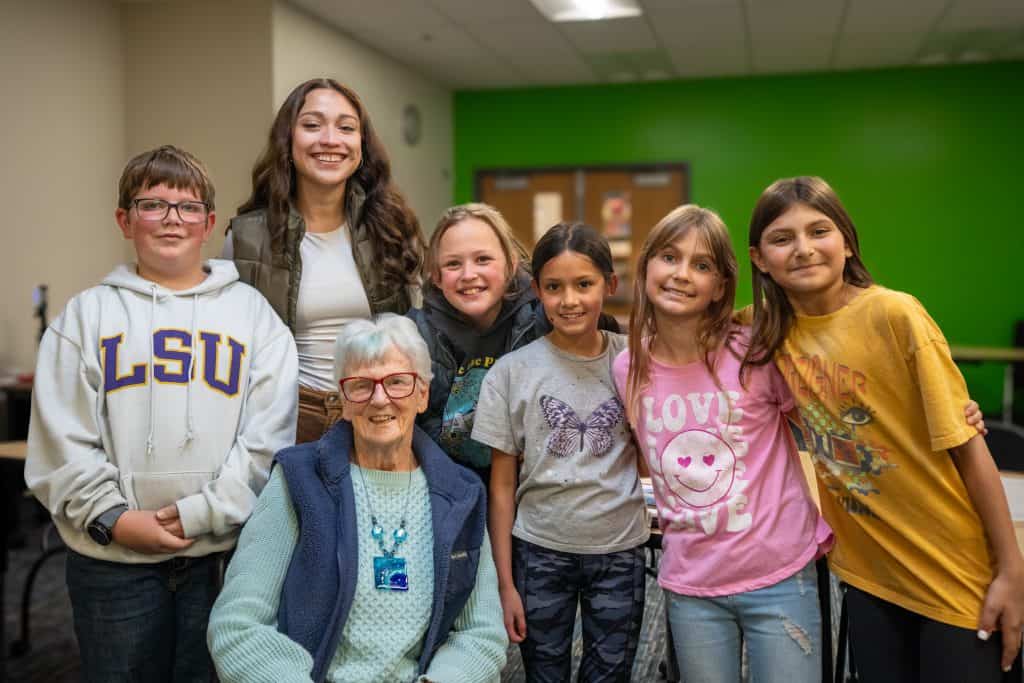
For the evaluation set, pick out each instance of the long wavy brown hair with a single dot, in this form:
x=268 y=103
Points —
x=643 y=326
x=397 y=238
x=773 y=313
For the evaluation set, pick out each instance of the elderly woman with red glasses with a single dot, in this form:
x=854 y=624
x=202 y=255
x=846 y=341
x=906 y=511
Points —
x=367 y=556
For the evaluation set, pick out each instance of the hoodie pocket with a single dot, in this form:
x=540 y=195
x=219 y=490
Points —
x=154 y=490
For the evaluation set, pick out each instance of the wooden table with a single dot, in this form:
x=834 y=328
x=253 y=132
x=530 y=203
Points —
x=989 y=354
x=13 y=450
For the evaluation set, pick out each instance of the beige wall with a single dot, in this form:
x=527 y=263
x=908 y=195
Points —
x=306 y=48
x=63 y=138
x=198 y=76
x=89 y=83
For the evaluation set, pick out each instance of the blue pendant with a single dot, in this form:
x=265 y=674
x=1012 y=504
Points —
x=389 y=574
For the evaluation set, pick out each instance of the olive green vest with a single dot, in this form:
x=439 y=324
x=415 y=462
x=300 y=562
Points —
x=277 y=274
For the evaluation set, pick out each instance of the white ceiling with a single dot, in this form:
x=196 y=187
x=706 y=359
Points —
x=506 y=43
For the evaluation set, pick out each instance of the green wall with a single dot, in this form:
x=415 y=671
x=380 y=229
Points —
x=926 y=160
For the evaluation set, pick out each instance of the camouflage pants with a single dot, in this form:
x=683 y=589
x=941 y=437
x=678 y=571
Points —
x=610 y=591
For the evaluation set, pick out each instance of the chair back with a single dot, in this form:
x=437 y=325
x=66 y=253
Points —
x=1006 y=442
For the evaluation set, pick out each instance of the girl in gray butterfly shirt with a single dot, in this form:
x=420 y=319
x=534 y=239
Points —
x=566 y=512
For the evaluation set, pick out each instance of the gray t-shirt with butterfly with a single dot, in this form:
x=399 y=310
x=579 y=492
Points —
x=579 y=490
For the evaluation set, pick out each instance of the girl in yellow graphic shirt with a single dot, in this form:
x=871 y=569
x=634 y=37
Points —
x=923 y=533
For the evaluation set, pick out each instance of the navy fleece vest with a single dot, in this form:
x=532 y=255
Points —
x=320 y=584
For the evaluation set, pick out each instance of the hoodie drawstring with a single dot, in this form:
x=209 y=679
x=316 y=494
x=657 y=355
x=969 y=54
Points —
x=152 y=398
x=189 y=430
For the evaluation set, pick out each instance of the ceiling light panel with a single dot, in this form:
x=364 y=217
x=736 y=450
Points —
x=587 y=10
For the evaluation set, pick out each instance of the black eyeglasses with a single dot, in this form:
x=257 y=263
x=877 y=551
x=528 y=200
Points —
x=158 y=209
x=395 y=385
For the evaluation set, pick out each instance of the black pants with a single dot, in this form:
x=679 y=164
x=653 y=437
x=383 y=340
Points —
x=889 y=644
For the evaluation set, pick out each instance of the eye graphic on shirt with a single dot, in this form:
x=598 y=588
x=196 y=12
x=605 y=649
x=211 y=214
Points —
x=572 y=436
x=855 y=415
x=699 y=467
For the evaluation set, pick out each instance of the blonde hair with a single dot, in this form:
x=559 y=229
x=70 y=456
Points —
x=516 y=259
x=715 y=325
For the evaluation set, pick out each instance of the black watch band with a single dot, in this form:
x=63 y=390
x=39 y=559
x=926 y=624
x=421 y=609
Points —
x=101 y=529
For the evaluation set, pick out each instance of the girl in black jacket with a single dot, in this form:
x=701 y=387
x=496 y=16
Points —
x=478 y=305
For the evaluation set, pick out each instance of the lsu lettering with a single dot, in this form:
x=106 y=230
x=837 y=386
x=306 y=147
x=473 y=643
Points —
x=172 y=357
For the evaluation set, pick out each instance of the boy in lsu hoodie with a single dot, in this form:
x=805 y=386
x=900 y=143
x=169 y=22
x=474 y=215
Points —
x=160 y=398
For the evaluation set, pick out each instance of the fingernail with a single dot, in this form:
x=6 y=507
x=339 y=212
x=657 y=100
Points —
x=983 y=634
x=1006 y=669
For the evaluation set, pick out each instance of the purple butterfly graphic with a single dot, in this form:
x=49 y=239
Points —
x=570 y=435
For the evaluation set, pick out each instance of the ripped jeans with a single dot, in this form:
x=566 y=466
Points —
x=781 y=625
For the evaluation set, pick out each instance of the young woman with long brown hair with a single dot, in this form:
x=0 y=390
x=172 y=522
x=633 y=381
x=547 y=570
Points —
x=325 y=236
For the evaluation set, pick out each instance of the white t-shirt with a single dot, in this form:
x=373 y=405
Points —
x=330 y=295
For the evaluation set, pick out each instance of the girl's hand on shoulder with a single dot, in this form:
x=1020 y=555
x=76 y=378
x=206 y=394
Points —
x=142 y=532
x=974 y=417
x=515 y=616
x=1003 y=610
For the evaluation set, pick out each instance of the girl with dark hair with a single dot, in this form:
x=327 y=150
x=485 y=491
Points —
x=566 y=508
x=924 y=539
x=740 y=530
x=325 y=235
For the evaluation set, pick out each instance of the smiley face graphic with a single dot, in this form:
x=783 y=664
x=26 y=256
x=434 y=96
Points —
x=699 y=467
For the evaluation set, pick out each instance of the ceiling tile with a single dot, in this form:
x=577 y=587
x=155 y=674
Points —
x=800 y=52
x=481 y=12
x=705 y=39
x=615 y=35
x=519 y=36
x=792 y=35
x=971 y=46
x=481 y=73
x=793 y=17
x=355 y=16
x=650 y=5
x=558 y=74
x=966 y=15
x=708 y=61
x=722 y=22
x=860 y=50
x=416 y=44
x=498 y=43
x=912 y=18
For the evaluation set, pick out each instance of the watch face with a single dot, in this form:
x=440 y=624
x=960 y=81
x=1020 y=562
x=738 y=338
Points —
x=99 y=533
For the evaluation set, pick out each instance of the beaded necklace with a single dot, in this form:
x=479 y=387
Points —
x=389 y=571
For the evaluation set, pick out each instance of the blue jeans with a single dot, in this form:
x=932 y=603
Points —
x=143 y=622
x=781 y=625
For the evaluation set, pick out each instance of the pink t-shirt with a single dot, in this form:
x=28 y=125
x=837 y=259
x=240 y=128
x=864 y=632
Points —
x=732 y=498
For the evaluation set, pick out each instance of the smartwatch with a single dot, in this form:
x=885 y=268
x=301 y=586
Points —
x=101 y=529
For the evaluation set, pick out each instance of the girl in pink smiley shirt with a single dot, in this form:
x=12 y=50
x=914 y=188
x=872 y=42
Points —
x=741 y=531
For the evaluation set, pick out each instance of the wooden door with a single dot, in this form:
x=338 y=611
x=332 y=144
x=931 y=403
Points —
x=624 y=205
x=622 y=202
x=525 y=200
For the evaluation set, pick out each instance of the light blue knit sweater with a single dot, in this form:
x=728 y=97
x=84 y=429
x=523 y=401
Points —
x=383 y=635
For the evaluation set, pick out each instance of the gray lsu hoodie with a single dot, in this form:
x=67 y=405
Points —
x=146 y=397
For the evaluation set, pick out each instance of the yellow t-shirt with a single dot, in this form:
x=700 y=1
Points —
x=880 y=401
